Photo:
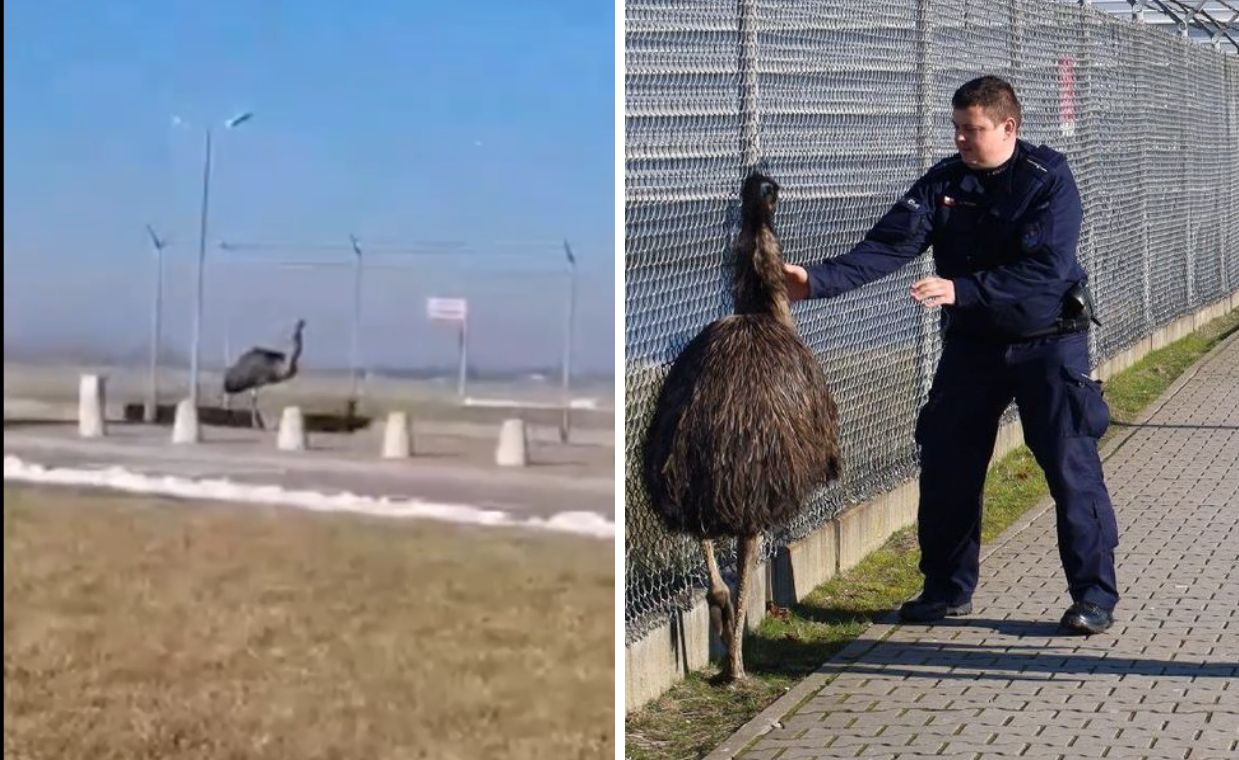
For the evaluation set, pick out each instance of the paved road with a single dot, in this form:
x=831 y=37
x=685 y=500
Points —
x=455 y=470
x=1163 y=683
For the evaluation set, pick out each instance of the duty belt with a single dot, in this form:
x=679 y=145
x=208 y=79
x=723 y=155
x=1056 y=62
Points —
x=1078 y=312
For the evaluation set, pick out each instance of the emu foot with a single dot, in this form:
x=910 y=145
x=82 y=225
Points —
x=732 y=674
x=733 y=639
x=734 y=671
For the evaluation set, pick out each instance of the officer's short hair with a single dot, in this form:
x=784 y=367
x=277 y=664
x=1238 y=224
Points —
x=993 y=94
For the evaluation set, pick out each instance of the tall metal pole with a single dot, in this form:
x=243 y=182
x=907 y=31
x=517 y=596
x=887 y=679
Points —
x=227 y=303
x=1189 y=243
x=151 y=411
x=202 y=231
x=750 y=138
x=1230 y=130
x=930 y=319
x=356 y=348
x=1143 y=101
x=464 y=351
x=565 y=422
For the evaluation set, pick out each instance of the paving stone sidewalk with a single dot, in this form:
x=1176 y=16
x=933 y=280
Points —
x=1163 y=683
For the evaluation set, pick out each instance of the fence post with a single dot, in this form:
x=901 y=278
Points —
x=1189 y=246
x=1082 y=106
x=750 y=153
x=1014 y=50
x=930 y=318
x=1231 y=235
x=1146 y=255
x=750 y=137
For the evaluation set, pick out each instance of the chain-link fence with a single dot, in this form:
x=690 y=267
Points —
x=846 y=105
x=367 y=306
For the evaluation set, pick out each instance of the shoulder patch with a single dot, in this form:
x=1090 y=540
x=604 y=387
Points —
x=945 y=164
x=1045 y=158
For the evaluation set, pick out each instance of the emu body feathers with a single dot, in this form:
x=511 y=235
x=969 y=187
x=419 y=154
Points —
x=744 y=429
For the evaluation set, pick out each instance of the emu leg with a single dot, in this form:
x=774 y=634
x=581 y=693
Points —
x=718 y=598
x=746 y=557
x=255 y=415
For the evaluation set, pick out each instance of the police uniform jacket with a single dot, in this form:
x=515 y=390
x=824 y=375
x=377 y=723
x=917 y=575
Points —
x=1006 y=238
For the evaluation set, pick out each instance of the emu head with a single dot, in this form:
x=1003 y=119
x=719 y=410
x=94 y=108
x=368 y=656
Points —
x=758 y=198
x=299 y=327
x=760 y=285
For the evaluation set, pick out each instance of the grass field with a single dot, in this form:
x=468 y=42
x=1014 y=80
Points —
x=142 y=628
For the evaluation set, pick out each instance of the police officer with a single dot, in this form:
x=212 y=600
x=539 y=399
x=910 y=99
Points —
x=1003 y=218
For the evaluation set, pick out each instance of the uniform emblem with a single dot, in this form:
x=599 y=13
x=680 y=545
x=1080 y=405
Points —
x=948 y=200
x=1031 y=237
x=911 y=203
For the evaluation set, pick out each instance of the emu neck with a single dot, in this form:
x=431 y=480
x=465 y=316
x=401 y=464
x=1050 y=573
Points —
x=292 y=359
x=760 y=285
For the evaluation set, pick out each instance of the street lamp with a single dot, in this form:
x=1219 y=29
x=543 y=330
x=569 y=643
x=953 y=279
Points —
x=151 y=411
x=232 y=123
x=356 y=348
x=567 y=362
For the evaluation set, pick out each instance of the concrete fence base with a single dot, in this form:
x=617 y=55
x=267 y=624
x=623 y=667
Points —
x=684 y=643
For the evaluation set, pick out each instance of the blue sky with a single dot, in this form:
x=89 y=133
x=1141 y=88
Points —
x=398 y=122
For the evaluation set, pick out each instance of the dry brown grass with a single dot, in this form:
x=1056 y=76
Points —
x=134 y=628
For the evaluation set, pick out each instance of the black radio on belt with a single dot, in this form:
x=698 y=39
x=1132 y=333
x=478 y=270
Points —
x=1078 y=308
x=1078 y=311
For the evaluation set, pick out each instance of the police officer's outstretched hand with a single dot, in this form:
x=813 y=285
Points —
x=797 y=282
x=933 y=291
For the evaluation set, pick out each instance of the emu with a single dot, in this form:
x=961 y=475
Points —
x=745 y=426
x=258 y=367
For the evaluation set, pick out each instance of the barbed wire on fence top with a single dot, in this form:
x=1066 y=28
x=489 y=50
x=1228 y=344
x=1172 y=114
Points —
x=849 y=107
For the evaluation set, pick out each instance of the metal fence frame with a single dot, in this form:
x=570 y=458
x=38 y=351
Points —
x=356 y=261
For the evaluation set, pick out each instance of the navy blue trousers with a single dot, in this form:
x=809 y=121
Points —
x=1063 y=415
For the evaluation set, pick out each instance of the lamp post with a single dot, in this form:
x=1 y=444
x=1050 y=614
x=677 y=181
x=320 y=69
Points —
x=195 y=347
x=567 y=361
x=151 y=411
x=356 y=347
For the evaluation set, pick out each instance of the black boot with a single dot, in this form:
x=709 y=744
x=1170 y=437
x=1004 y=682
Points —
x=1086 y=618
x=921 y=610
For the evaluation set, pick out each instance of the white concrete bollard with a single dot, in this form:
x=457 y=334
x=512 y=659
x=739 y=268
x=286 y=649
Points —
x=90 y=406
x=397 y=443
x=185 y=426
x=512 y=450
x=292 y=430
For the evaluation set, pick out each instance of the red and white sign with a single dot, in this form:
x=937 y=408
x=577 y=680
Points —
x=447 y=309
x=1067 y=96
